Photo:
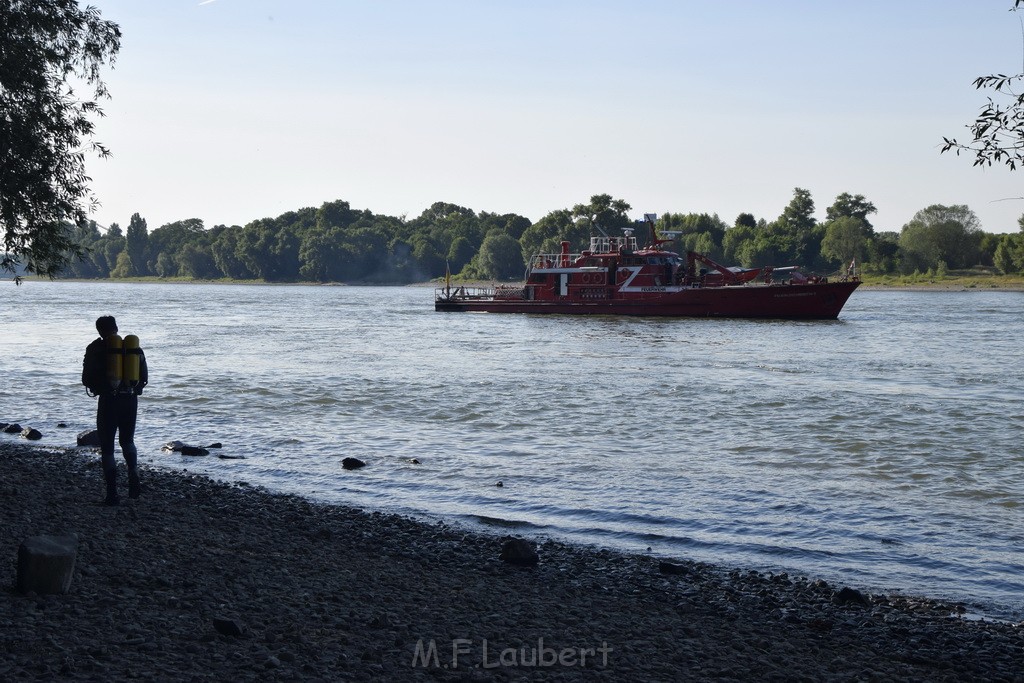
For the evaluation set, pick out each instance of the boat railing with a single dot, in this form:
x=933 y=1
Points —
x=604 y=244
x=463 y=293
x=553 y=260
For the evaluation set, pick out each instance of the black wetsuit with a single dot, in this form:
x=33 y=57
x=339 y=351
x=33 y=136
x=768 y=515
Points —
x=117 y=409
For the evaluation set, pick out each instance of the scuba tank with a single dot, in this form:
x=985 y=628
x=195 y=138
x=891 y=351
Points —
x=130 y=364
x=115 y=361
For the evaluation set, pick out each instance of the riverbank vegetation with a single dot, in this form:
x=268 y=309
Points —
x=336 y=243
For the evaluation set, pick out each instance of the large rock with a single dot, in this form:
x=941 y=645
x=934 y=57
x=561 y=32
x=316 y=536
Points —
x=13 y=428
x=89 y=437
x=519 y=552
x=46 y=563
x=31 y=434
x=352 y=463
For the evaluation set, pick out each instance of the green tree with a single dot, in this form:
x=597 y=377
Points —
x=854 y=206
x=1009 y=255
x=225 y=255
x=794 y=236
x=196 y=261
x=603 y=213
x=940 y=233
x=500 y=257
x=846 y=238
x=136 y=243
x=112 y=246
x=459 y=254
x=165 y=265
x=545 y=235
x=123 y=267
x=45 y=126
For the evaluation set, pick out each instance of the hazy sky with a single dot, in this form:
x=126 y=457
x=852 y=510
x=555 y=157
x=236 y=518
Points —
x=233 y=110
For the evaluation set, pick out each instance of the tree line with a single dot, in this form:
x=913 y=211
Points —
x=336 y=243
x=53 y=48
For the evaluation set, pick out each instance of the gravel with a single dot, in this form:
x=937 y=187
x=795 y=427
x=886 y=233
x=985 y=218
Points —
x=202 y=580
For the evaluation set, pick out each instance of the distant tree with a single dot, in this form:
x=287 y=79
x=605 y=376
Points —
x=112 y=247
x=196 y=261
x=136 y=243
x=336 y=214
x=165 y=265
x=940 y=233
x=459 y=254
x=701 y=232
x=45 y=127
x=846 y=238
x=500 y=257
x=123 y=266
x=604 y=213
x=794 y=236
x=884 y=252
x=735 y=237
x=854 y=206
x=745 y=220
x=225 y=255
x=1009 y=254
x=545 y=235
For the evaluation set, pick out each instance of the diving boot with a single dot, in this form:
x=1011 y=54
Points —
x=110 y=476
x=134 y=486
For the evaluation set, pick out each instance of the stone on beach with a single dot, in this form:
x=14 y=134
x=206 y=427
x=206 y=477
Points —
x=520 y=552
x=46 y=564
x=851 y=596
x=228 y=627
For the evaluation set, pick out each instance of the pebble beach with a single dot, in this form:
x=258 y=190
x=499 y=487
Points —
x=202 y=580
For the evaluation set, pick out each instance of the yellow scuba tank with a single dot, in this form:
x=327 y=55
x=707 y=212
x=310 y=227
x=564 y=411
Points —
x=131 y=360
x=115 y=364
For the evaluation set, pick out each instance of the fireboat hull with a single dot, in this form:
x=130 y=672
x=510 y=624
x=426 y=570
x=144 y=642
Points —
x=817 y=301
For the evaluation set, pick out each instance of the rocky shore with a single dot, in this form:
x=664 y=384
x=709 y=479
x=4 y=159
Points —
x=201 y=580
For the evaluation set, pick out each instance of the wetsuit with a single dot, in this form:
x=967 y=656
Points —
x=116 y=413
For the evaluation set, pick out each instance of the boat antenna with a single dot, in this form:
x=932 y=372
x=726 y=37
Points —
x=649 y=218
x=595 y=224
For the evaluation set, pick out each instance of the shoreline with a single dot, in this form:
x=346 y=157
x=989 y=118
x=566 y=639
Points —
x=980 y=286
x=327 y=592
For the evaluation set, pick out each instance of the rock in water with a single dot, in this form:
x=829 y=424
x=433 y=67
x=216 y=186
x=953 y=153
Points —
x=89 y=437
x=46 y=563
x=31 y=434
x=13 y=428
x=352 y=463
x=193 y=450
x=519 y=552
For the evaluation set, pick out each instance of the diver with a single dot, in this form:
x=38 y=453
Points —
x=115 y=371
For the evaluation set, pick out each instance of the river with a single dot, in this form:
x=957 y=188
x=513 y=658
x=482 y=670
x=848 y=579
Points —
x=882 y=450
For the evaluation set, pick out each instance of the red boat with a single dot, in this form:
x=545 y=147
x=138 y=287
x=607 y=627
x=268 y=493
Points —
x=614 y=277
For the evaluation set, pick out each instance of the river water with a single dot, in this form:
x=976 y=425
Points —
x=882 y=450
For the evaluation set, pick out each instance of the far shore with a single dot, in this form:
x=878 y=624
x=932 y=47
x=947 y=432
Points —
x=995 y=284
x=205 y=580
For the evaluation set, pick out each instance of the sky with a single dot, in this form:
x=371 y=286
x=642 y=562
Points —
x=235 y=110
